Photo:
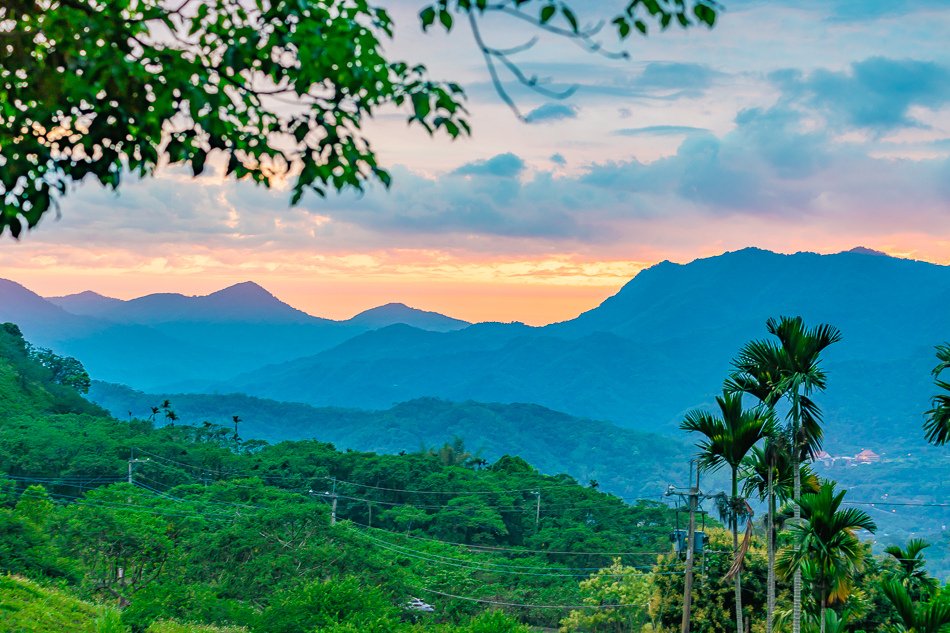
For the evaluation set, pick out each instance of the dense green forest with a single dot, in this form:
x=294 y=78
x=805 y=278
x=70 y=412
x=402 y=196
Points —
x=623 y=461
x=220 y=531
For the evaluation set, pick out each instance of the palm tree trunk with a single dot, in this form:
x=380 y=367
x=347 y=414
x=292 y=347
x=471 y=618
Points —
x=824 y=607
x=770 y=605
x=735 y=549
x=797 y=493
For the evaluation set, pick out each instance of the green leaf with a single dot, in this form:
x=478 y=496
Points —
x=446 y=18
x=427 y=17
x=547 y=12
x=570 y=17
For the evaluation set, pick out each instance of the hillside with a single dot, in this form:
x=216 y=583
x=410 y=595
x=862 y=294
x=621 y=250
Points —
x=29 y=607
x=231 y=532
x=625 y=462
x=663 y=345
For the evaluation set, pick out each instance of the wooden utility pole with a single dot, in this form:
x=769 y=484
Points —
x=690 y=546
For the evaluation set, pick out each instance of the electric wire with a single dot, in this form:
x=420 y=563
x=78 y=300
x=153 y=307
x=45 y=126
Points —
x=571 y=607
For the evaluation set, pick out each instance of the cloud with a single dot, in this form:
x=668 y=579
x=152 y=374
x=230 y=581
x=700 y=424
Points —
x=676 y=76
x=506 y=165
x=660 y=130
x=877 y=93
x=551 y=112
x=558 y=159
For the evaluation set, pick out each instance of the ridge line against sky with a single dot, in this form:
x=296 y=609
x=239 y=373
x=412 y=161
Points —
x=323 y=310
x=804 y=126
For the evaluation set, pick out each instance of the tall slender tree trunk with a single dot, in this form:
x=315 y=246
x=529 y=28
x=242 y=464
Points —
x=824 y=607
x=797 y=493
x=735 y=549
x=770 y=604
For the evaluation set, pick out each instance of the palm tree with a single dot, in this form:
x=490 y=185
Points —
x=937 y=425
x=790 y=369
x=915 y=617
x=826 y=546
x=911 y=571
x=727 y=440
x=767 y=473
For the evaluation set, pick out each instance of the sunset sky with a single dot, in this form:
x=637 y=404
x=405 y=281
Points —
x=815 y=125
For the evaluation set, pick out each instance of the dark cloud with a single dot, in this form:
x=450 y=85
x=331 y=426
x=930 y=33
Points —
x=875 y=94
x=505 y=165
x=558 y=159
x=551 y=112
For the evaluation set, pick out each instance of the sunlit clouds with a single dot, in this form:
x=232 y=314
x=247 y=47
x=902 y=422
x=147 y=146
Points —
x=817 y=127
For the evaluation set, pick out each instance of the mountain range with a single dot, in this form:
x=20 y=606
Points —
x=663 y=345
x=626 y=462
x=164 y=339
x=659 y=347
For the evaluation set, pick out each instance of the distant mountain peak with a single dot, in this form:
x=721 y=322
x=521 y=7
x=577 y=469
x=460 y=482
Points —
x=863 y=250
x=399 y=313
x=245 y=290
x=86 y=294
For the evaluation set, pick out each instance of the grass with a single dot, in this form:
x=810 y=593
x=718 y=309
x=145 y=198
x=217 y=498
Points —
x=28 y=607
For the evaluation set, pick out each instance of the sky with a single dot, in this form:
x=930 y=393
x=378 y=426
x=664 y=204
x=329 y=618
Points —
x=814 y=125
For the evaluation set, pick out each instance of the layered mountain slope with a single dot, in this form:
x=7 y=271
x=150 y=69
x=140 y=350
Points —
x=171 y=339
x=393 y=313
x=620 y=460
x=663 y=345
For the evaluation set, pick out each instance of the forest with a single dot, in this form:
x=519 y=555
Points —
x=169 y=525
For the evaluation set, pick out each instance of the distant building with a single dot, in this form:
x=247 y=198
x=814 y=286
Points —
x=825 y=458
x=867 y=456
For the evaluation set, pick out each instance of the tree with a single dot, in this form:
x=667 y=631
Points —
x=616 y=584
x=916 y=617
x=65 y=370
x=767 y=473
x=937 y=425
x=912 y=572
x=826 y=547
x=727 y=440
x=790 y=369
x=273 y=90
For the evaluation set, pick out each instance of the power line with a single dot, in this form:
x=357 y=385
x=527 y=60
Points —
x=914 y=504
x=501 y=567
x=66 y=481
x=530 y=606
x=492 y=548
x=481 y=566
x=456 y=492
x=129 y=506
x=400 y=490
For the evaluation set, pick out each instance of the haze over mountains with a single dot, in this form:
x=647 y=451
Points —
x=166 y=339
x=663 y=345
x=660 y=346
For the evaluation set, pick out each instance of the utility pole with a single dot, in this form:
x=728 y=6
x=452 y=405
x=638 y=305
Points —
x=693 y=496
x=537 y=514
x=133 y=460
x=333 y=503
x=333 y=496
x=690 y=545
